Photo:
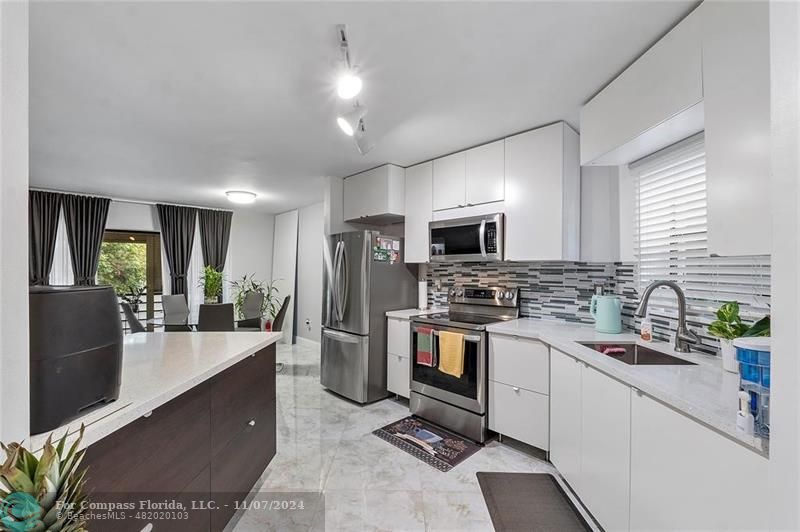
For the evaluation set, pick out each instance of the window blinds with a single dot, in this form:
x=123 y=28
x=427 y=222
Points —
x=671 y=241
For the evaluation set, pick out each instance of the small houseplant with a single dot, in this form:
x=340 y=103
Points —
x=45 y=493
x=728 y=326
x=211 y=281
x=248 y=283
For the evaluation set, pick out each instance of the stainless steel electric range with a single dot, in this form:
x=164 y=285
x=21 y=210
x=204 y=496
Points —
x=460 y=404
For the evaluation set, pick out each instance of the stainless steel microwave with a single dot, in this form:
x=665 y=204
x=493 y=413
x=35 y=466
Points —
x=473 y=239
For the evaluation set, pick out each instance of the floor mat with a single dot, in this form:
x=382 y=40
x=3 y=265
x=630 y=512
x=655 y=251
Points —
x=529 y=502
x=429 y=443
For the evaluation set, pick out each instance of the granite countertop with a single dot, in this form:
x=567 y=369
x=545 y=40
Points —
x=704 y=392
x=156 y=368
x=411 y=312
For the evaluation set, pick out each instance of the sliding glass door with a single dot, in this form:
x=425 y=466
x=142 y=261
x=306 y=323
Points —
x=130 y=262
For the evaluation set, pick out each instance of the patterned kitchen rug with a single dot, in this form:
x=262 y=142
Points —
x=431 y=444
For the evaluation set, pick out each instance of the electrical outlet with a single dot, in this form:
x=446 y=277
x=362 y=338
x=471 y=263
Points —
x=308 y=324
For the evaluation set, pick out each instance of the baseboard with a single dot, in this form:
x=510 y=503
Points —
x=305 y=342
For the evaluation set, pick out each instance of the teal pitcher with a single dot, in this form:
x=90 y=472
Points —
x=607 y=314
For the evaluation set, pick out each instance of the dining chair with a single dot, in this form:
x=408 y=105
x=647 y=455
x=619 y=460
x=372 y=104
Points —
x=251 y=311
x=215 y=317
x=134 y=324
x=176 y=310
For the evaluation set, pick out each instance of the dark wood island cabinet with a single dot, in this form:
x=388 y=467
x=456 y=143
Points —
x=205 y=449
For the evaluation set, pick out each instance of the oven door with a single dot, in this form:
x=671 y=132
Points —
x=479 y=238
x=468 y=391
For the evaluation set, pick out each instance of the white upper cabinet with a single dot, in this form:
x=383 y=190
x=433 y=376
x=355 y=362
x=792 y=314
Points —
x=449 y=182
x=737 y=113
x=655 y=102
x=375 y=196
x=485 y=173
x=543 y=203
x=418 y=208
x=468 y=178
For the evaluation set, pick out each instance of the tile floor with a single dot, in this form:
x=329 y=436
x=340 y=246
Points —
x=325 y=446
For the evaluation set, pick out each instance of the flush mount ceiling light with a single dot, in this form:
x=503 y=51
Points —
x=240 y=196
x=349 y=121
x=349 y=83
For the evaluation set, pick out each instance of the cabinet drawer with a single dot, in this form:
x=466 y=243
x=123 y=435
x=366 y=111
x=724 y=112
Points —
x=519 y=362
x=398 y=374
x=520 y=414
x=235 y=470
x=398 y=336
x=240 y=394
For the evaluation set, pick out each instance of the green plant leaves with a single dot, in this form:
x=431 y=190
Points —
x=760 y=328
x=729 y=324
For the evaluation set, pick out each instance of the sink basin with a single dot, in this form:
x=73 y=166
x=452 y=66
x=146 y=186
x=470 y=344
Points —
x=638 y=355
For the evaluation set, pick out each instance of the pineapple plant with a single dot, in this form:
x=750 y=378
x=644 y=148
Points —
x=45 y=493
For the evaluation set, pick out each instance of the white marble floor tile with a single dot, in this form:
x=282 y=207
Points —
x=456 y=511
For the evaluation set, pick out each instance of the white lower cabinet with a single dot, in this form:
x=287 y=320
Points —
x=565 y=416
x=398 y=345
x=686 y=476
x=398 y=374
x=519 y=413
x=605 y=448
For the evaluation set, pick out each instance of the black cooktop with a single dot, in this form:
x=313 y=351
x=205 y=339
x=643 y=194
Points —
x=452 y=319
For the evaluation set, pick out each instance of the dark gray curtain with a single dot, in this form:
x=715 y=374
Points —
x=43 y=211
x=177 y=234
x=85 y=217
x=215 y=233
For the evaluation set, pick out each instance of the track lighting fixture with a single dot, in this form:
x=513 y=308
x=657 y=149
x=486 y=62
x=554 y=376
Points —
x=349 y=83
x=363 y=142
x=349 y=122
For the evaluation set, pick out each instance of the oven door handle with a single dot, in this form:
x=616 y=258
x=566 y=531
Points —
x=482 y=238
x=467 y=337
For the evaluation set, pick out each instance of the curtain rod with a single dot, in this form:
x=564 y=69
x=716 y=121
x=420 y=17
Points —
x=126 y=200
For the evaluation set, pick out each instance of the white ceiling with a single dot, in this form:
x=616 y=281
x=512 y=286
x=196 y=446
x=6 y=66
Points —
x=181 y=101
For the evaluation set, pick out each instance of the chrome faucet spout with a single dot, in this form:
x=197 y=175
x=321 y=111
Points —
x=684 y=337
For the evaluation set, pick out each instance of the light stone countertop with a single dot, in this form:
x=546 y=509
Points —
x=407 y=314
x=704 y=392
x=156 y=368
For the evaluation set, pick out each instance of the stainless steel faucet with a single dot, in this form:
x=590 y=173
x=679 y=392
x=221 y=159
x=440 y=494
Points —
x=683 y=337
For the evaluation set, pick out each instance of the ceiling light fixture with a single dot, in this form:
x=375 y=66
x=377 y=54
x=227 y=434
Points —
x=363 y=142
x=349 y=83
x=240 y=196
x=349 y=121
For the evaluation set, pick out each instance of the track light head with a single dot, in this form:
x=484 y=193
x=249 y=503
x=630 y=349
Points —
x=349 y=122
x=363 y=142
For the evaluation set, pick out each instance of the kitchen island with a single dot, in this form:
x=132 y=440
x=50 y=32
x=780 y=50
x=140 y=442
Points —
x=193 y=428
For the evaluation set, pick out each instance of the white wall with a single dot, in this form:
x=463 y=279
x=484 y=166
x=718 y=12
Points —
x=126 y=216
x=250 y=246
x=784 y=462
x=310 y=239
x=14 y=378
x=284 y=266
x=600 y=214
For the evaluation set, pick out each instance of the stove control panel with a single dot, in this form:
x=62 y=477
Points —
x=479 y=295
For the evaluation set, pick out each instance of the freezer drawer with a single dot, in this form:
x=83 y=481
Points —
x=344 y=364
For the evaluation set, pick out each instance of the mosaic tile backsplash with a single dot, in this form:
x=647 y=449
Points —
x=563 y=290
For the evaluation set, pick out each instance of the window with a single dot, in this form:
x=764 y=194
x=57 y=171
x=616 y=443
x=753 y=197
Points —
x=130 y=262
x=671 y=244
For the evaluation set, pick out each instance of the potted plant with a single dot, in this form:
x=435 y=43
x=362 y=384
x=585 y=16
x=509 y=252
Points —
x=134 y=296
x=211 y=281
x=270 y=304
x=728 y=326
x=44 y=493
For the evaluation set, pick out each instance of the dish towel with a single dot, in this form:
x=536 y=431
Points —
x=424 y=346
x=451 y=353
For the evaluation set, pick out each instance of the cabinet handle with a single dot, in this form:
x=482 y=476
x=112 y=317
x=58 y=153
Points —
x=252 y=422
x=515 y=389
x=147 y=414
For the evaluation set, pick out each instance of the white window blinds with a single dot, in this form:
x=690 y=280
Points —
x=671 y=243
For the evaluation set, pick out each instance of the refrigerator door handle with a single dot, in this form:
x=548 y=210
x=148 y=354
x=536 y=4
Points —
x=340 y=336
x=346 y=275
x=336 y=281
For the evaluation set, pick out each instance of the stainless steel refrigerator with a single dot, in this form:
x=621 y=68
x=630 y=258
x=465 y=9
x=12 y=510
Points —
x=364 y=277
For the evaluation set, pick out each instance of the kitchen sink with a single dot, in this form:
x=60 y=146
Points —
x=636 y=355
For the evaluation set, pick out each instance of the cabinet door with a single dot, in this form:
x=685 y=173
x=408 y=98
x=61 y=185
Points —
x=398 y=336
x=398 y=375
x=485 y=173
x=364 y=194
x=520 y=414
x=605 y=448
x=543 y=213
x=737 y=123
x=565 y=416
x=686 y=476
x=419 y=211
x=449 y=174
x=519 y=362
